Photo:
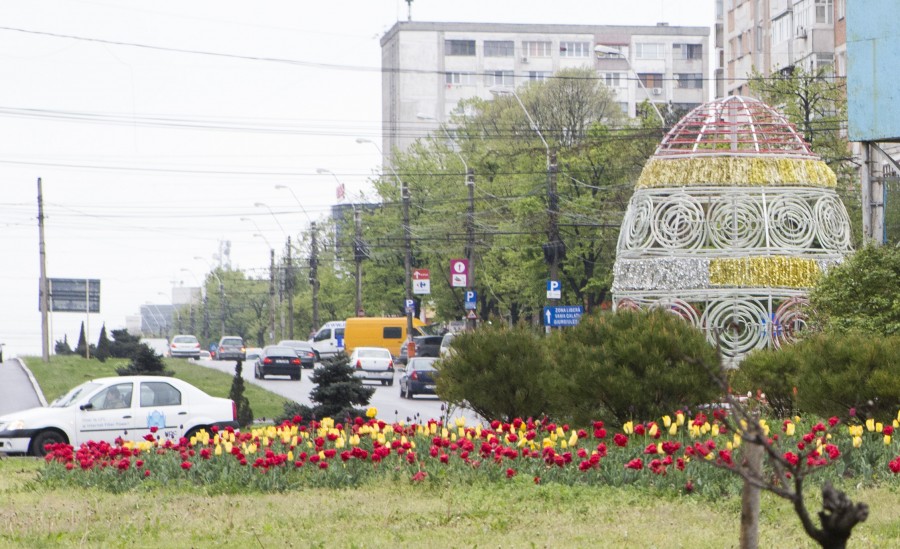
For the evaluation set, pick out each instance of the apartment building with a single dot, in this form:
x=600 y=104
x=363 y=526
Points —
x=774 y=35
x=428 y=68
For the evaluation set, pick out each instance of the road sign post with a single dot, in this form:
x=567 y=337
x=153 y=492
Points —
x=459 y=273
x=563 y=316
x=421 y=281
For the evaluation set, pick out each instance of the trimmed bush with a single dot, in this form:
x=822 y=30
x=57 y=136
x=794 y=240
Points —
x=634 y=366
x=500 y=373
x=773 y=372
x=145 y=362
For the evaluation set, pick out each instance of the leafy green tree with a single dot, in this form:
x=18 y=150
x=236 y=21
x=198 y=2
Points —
x=145 y=362
x=862 y=293
x=236 y=394
x=103 y=345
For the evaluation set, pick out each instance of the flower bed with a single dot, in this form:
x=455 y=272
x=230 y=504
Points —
x=673 y=453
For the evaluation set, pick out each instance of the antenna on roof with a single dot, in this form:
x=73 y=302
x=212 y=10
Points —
x=409 y=10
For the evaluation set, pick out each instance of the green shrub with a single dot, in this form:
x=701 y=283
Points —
x=501 y=373
x=773 y=372
x=337 y=394
x=634 y=365
x=145 y=362
x=236 y=394
x=843 y=371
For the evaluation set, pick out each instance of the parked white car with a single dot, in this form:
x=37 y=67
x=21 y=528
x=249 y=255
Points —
x=374 y=363
x=108 y=408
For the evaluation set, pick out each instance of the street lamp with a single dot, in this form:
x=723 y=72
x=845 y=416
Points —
x=555 y=249
x=266 y=206
x=295 y=198
x=407 y=240
x=221 y=292
x=604 y=51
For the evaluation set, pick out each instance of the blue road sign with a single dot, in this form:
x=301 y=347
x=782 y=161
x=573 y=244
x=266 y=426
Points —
x=554 y=289
x=471 y=299
x=563 y=316
x=411 y=306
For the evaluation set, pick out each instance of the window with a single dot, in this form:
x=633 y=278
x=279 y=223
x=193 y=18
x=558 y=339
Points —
x=391 y=332
x=824 y=11
x=611 y=79
x=687 y=51
x=689 y=80
x=499 y=48
x=159 y=393
x=323 y=335
x=459 y=47
x=499 y=78
x=841 y=8
x=112 y=398
x=536 y=49
x=651 y=80
x=459 y=78
x=538 y=76
x=648 y=51
x=574 y=49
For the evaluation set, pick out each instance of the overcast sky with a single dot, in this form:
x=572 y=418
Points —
x=156 y=126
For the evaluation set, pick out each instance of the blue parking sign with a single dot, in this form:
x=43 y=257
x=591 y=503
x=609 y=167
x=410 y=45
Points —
x=471 y=299
x=554 y=289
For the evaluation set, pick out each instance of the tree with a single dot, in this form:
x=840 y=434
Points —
x=337 y=392
x=103 y=345
x=862 y=293
x=236 y=394
x=145 y=362
x=124 y=345
x=81 y=348
x=62 y=347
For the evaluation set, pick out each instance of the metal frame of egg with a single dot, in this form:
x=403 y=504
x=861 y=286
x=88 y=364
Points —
x=732 y=221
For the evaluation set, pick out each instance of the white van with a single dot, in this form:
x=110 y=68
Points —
x=329 y=340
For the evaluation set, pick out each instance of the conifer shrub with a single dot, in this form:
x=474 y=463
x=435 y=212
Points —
x=337 y=394
x=236 y=394
x=145 y=362
x=634 y=366
x=500 y=373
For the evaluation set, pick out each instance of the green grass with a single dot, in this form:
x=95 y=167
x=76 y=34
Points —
x=64 y=372
x=515 y=513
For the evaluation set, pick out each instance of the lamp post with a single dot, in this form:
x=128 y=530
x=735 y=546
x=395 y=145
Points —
x=604 y=51
x=271 y=286
x=302 y=209
x=221 y=293
x=407 y=258
x=275 y=217
x=205 y=334
x=313 y=260
x=555 y=249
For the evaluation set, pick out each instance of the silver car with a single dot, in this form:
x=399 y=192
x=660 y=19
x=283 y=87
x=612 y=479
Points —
x=184 y=346
x=374 y=363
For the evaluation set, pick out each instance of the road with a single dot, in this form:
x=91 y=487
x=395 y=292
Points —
x=386 y=399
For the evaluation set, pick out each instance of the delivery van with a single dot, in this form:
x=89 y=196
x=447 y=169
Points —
x=387 y=332
x=329 y=340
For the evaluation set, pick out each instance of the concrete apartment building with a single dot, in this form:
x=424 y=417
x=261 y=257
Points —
x=774 y=35
x=429 y=67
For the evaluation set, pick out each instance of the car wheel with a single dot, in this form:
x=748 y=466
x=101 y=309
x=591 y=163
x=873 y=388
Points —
x=295 y=377
x=390 y=383
x=42 y=439
x=256 y=372
x=262 y=374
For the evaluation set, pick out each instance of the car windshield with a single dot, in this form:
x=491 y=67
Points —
x=280 y=351
x=232 y=342
x=422 y=364
x=69 y=398
x=374 y=353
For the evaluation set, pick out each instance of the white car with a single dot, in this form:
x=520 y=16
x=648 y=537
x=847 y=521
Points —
x=375 y=363
x=185 y=346
x=108 y=408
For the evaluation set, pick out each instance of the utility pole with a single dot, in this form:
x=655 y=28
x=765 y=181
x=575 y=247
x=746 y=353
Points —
x=206 y=334
x=470 y=238
x=271 y=294
x=555 y=249
x=314 y=276
x=45 y=285
x=407 y=259
x=222 y=305
x=358 y=256
x=289 y=287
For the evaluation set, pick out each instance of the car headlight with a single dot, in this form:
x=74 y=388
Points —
x=13 y=425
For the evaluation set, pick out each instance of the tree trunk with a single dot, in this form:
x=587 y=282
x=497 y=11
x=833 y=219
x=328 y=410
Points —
x=753 y=456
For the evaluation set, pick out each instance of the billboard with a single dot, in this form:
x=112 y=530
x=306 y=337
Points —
x=873 y=59
x=74 y=295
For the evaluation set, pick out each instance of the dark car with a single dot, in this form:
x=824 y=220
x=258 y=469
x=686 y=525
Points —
x=277 y=360
x=231 y=348
x=429 y=346
x=418 y=377
x=304 y=350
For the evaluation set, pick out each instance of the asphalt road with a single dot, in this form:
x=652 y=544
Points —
x=17 y=392
x=386 y=398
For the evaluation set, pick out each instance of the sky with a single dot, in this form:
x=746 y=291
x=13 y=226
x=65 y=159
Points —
x=157 y=127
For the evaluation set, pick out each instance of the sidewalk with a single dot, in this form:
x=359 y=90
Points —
x=18 y=391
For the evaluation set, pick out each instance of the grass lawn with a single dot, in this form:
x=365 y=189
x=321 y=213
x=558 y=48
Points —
x=64 y=372
x=437 y=513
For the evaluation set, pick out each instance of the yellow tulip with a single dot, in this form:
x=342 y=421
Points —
x=887 y=440
x=765 y=428
x=879 y=427
x=563 y=445
x=290 y=455
x=790 y=428
x=354 y=440
x=870 y=424
x=460 y=422
x=453 y=437
x=251 y=449
x=857 y=442
x=321 y=454
x=709 y=457
x=729 y=445
x=715 y=430
x=371 y=412
x=659 y=448
x=228 y=447
x=445 y=433
x=573 y=440
x=218 y=450
x=339 y=443
x=653 y=430
x=560 y=432
x=433 y=428
x=705 y=428
x=628 y=428
x=895 y=423
x=667 y=421
x=898 y=414
x=522 y=441
x=737 y=440
x=547 y=442
x=673 y=430
x=679 y=419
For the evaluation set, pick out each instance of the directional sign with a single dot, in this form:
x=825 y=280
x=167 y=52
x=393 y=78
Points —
x=554 y=289
x=410 y=306
x=471 y=299
x=563 y=316
x=421 y=281
x=459 y=273
x=74 y=295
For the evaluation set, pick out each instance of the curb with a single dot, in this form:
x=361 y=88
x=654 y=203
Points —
x=34 y=383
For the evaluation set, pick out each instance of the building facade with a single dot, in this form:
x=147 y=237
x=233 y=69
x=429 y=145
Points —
x=428 y=68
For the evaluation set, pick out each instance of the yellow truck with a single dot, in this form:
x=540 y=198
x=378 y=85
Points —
x=387 y=332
